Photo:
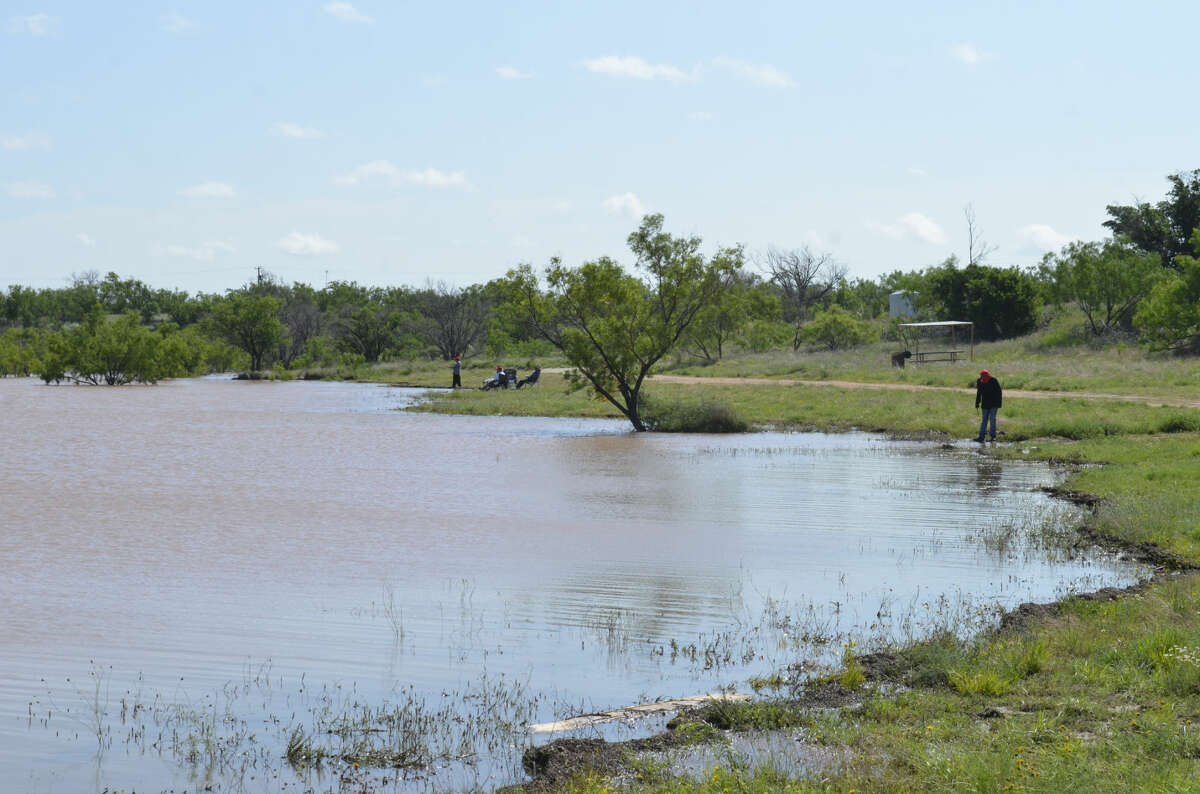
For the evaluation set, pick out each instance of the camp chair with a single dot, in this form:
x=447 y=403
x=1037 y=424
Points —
x=532 y=379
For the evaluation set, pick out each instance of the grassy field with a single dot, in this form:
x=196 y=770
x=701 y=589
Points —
x=1089 y=694
x=1019 y=364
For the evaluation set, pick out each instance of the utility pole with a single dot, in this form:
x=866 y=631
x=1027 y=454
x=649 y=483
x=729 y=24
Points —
x=259 y=270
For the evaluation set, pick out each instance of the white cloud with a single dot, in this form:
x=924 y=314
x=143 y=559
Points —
x=1046 y=238
x=916 y=170
x=24 y=143
x=366 y=171
x=701 y=115
x=205 y=252
x=30 y=190
x=914 y=224
x=174 y=23
x=86 y=239
x=346 y=12
x=625 y=204
x=430 y=177
x=289 y=130
x=209 y=190
x=761 y=73
x=34 y=25
x=299 y=244
x=512 y=73
x=969 y=53
x=636 y=68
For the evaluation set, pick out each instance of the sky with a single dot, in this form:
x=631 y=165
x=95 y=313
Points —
x=188 y=143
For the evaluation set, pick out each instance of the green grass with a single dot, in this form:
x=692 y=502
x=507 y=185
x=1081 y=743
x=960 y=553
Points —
x=930 y=414
x=1019 y=364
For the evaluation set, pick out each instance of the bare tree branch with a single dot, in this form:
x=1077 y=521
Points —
x=977 y=249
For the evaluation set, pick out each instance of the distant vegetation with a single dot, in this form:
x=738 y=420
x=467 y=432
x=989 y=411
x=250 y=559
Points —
x=610 y=324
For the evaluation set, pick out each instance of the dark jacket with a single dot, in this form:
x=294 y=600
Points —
x=988 y=395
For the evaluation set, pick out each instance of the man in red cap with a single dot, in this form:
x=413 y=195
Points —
x=989 y=397
x=457 y=382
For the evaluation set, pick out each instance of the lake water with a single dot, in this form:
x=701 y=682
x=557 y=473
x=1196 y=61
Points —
x=194 y=570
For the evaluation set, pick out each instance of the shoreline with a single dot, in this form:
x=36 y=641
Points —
x=970 y=676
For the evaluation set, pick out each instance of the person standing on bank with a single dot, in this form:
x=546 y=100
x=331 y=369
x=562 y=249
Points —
x=988 y=397
x=457 y=384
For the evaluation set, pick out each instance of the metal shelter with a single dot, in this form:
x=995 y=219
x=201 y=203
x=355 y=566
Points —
x=953 y=354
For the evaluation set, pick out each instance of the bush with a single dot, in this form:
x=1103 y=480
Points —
x=1179 y=423
x=836 y=329
x=701 y=416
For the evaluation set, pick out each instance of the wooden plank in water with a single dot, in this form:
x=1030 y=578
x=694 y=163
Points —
x=639 y=710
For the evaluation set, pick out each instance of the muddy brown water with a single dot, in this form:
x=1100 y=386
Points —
x=159 y=543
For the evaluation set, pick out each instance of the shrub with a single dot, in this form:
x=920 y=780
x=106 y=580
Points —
x=984 y=682
x=837 y=329
x=699 y=416
x=1179 y=423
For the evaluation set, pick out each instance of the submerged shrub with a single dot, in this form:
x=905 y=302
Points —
x=704 y=416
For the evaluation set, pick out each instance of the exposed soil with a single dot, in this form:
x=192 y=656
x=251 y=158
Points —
x=551 y=765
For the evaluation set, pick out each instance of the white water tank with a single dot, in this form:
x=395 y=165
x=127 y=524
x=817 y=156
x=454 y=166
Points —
x=900 y=304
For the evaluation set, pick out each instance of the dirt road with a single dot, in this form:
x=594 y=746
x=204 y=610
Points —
x=847 y=384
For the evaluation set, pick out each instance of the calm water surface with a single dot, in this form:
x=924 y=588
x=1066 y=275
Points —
x=161 y=542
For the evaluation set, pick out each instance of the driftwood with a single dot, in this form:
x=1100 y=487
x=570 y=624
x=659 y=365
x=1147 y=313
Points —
x=640 y=710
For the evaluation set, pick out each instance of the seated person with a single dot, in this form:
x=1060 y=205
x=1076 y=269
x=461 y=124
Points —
x=532 y=379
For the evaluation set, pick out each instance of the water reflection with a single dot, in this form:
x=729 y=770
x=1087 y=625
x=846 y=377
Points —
x=182 y=535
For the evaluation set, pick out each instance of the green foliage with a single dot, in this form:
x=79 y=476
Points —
x=1002 y=302
x=739 y=715
x=979 y=682
x=1164 y=228
x=743 y=301
x=117 y=351
x=21 y=349
x=1105 y=280
x=836 y=329
x=249 y=322
x=690 y=416
x=759 y=336
x=1170 y=317
x=853 y=674
x=613 y=326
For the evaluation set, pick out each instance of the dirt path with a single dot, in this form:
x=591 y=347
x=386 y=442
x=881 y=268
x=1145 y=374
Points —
x=1155 y=402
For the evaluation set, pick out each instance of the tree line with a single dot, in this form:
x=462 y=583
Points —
x=1143 y=281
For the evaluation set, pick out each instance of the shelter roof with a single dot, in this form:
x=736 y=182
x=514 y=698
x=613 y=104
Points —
x=937 y=324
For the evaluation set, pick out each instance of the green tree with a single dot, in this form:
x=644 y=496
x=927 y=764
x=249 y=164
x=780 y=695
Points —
x=250 y=322
x=1106 y=280
x=1002 y=302
x=614 y=326
x=804 y=279
x=1169 y=318
x=1164 y=228
x=835 y=328
x=448 y=319
x=366 y=330
x=104 y=351
x=21 y=350
x=741 y=302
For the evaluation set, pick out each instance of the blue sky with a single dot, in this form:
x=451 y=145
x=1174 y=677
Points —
x=391 y=143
